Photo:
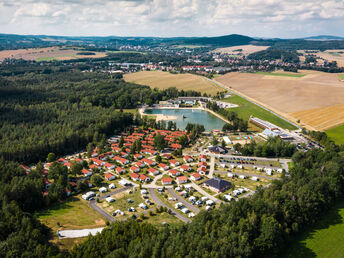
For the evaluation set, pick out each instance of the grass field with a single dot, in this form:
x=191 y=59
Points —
x=45 y=59
x=341 y=76
x=164 y=80
x=247 y=108
x=298 y=75
x=336 y=134
x=72 y=214
x=323 y=240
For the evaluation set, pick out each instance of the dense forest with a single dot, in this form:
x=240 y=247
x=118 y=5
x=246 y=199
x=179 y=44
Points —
x=63 y=111
x=273 y=54
x=252 y=227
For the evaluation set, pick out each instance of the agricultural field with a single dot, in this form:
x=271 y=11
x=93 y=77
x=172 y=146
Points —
x=324 y=239
x=244 y=49
x=164 y=80
x=329 y=55
x=322 y=118
x=48 y=54
x=246 y=109
x=71 y=214
x=336 y=134
x=298 y=75
x=296 y=98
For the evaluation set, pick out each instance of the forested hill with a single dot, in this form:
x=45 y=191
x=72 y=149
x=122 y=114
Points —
x=226 y=41
x=61 y=112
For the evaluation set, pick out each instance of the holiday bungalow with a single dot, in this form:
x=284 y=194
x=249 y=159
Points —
x=166 y=181
x=110 y=176
x=182 y=179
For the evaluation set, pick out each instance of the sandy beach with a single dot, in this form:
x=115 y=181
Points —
x=160 y=117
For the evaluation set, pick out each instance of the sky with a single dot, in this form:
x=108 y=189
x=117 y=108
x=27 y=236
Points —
x=173 y=18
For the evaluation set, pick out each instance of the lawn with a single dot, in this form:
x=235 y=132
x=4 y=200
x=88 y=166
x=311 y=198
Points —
x=45 y=59
x=341 y=76
x=158 y=219
x=323 y=240
x=121 y=203
x=336 y=134
x=71 y=214
x=246 y=109
x=298 y=75
x=164 y=80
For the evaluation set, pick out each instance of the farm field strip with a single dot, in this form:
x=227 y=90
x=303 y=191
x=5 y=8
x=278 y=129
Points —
x=297 y=75
x=48 y=54
x=322 y=118
x=164 y=80
x=246 y=49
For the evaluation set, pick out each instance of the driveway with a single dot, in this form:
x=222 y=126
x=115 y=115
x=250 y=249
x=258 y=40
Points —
x=159 y=203
x=182 y=200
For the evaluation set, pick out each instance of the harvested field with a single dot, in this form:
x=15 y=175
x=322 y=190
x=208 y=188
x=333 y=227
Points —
x=164 y=80
x=47 y=54
x=294 y=97
x=322 y=118
x=246 y=49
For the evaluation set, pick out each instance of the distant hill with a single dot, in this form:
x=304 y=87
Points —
x=324 y=37
x=226 y=41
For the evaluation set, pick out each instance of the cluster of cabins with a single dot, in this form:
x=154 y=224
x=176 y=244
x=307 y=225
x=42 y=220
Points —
x=142 y=169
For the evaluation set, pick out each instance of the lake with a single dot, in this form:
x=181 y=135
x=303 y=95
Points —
x=194 y=116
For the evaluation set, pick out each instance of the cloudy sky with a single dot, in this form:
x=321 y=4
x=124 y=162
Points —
x=262 y=18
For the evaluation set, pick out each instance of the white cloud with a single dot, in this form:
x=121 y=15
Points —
x=274 y=18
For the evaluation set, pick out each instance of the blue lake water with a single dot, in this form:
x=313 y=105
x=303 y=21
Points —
x=194 y=116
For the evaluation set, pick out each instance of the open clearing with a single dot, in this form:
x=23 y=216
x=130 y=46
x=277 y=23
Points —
x=164 y=80
x=47 y=54
x=294 y=97
x=245 y=49
x=336 y=134
x=323 y=240
x=72 y=214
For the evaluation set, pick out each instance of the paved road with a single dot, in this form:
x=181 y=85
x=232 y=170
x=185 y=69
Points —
x=227 y=88
x=182 y=200
x=106 y=215
x=249 y=174
x=199 y=189
x=212 y=166
x=159 y=203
